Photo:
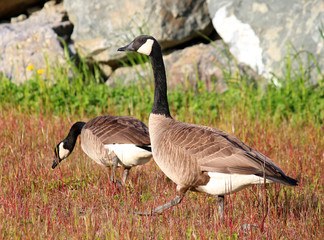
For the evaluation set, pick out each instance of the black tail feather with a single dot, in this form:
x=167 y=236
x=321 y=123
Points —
x=284 y=180
x=145 y=147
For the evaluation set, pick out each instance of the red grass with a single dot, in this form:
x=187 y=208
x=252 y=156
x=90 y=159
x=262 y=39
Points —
x=77 y=200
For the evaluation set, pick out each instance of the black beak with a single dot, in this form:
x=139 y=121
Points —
x=128 y=47
x=55 y=163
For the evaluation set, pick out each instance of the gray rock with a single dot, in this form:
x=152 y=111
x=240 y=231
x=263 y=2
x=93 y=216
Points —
x=101 y=27
x=11 y=8
x=19 y=18
x=33 y=42
x=258 y=32
x=203 y=62
x=131 y=75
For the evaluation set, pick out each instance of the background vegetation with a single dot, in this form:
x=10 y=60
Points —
x=283 y=120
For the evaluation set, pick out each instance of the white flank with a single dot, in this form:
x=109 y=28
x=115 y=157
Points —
x=63 y=153
x=146 y=48
x=221 y=183
x=129 y=154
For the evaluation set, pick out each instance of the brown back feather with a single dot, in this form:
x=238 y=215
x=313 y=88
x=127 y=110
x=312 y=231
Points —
x=119 y=129
x=217 y=151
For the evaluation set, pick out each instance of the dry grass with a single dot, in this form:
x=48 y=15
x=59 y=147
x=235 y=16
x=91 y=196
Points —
x=77 y=201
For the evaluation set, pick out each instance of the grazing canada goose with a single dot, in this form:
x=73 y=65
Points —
x=198 y=158
x=110 y=141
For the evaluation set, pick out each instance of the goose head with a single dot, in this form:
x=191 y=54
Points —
x=61 y=151
x=66 y=146
x=143 y=44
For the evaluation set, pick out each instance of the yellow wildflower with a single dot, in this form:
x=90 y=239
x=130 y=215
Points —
x=30 y=67
x=40 y=71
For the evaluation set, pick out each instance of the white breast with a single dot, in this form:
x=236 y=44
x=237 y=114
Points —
x=221 y=184
x=129 y=154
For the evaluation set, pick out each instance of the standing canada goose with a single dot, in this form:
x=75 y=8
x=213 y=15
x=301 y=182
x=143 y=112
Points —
x=110 y=141
x=198 y=158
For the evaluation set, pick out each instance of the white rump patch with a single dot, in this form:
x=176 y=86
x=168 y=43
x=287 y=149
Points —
x=221 y=183
x=63 y=153
x=129 y=154
x=146 y=48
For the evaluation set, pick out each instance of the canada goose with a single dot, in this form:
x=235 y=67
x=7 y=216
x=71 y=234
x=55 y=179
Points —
x=110 y=141
x=198 y=158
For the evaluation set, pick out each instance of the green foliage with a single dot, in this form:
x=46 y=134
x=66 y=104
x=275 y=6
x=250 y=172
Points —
x=82 y=93
x=77 y=90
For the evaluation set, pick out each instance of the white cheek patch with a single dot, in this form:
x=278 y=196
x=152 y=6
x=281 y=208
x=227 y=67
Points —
x=146 y=48
x=63 y=153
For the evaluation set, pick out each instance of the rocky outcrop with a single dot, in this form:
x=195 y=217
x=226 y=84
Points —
x=10 y=8
x=30 y=45
x=259 y=33
x=100 y=27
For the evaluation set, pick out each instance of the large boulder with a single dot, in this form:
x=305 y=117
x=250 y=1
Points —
x=100 y=26
x=260 y=33
x=33 y=44
x=10 y=8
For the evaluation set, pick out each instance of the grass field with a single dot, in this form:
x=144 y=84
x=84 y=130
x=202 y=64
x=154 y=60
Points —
x=77 y=200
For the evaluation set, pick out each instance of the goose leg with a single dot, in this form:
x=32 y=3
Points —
x=175 y=201
x=125 y=175
x=113 y=177
x=114 y=161
x=221 y=204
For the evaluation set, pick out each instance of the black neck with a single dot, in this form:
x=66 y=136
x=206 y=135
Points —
x=71 y=138
x=160 y=104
